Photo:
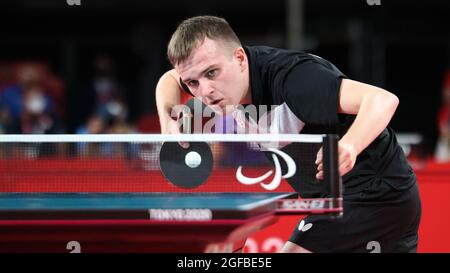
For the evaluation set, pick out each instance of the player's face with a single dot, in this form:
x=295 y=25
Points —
x=217 y=74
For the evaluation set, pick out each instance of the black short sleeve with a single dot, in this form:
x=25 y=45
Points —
x=185 y=88
x=311 y=90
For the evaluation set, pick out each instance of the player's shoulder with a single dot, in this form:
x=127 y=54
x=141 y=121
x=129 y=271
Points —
x=280 y=59
x=169 y=80
x=264 y=50
x=170 y=74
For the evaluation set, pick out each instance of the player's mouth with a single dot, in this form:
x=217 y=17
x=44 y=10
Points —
x=217 y=102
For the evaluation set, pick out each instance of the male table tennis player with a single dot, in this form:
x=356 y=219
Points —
x=382 y=205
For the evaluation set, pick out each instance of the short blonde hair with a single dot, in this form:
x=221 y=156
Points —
x=192 y=31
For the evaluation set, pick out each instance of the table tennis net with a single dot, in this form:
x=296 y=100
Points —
x=130 y=163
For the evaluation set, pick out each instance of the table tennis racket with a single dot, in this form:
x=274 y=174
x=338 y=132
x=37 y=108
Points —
x=186 y=168
x=189 y=167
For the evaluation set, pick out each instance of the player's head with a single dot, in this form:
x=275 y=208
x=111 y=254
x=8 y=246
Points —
x=209 y=57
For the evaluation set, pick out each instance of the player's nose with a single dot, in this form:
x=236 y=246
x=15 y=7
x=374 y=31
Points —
x=206 y=91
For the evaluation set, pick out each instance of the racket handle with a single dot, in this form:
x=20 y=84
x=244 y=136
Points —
x=186 y=120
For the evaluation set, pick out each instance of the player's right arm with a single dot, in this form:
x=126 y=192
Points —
x=168 y=95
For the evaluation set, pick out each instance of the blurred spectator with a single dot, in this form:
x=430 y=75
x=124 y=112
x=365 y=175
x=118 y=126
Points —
x=442 y=152
x=27 y=105
x=110 y=118
x=32 y=114
x=105 y=84
x=104 y=98
x=11 y=97
x=115 y=113
x=103 y=88
x=94 y=125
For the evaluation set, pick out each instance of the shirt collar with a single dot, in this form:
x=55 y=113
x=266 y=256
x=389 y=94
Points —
x=254 y=78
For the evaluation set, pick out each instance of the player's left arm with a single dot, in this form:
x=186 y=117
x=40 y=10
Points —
x=373 y=107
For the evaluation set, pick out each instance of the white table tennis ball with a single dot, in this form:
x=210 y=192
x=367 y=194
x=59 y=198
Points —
x=193 y=159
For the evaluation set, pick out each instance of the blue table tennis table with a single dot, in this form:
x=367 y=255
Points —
x=133 y=222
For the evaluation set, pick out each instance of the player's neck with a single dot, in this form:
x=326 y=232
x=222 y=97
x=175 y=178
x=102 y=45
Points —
x=247 y=99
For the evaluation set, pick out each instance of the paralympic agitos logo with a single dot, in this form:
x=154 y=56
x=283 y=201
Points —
x=276 y=180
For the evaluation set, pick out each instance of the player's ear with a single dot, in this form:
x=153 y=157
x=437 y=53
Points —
x=241 y=57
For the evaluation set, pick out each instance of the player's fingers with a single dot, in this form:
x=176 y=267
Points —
x=319 y=156
x=175 y=128
x=319 y=175
x=184 y=145
x=343 y=157
x=345 y=167
x=320 y=167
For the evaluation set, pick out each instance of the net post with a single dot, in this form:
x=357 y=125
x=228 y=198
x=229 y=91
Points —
x=331 y=171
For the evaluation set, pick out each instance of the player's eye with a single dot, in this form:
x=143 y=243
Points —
x=193 y=83
x=211 y=73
